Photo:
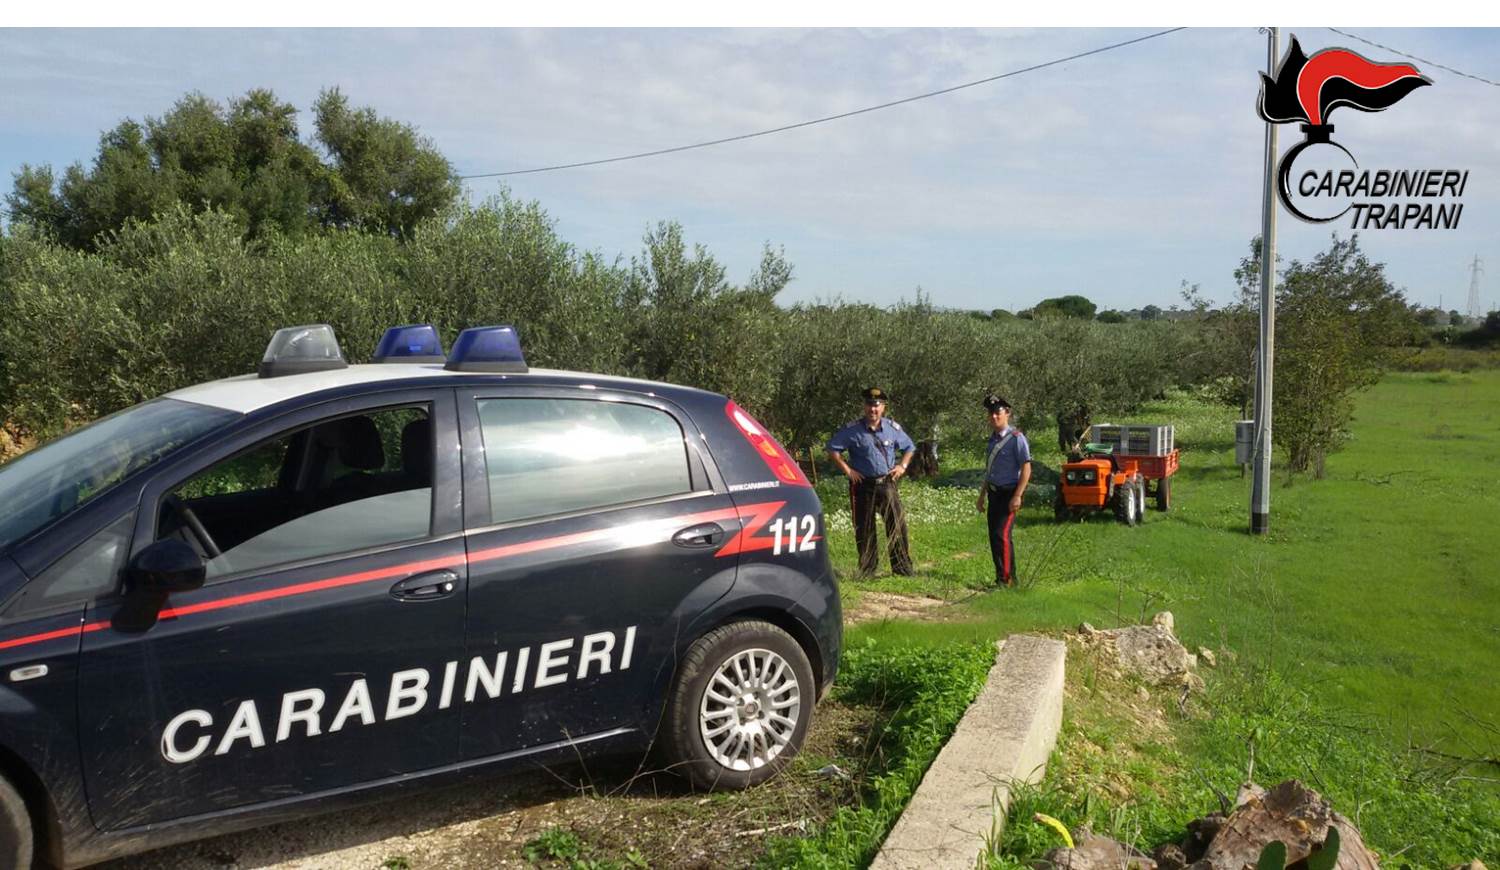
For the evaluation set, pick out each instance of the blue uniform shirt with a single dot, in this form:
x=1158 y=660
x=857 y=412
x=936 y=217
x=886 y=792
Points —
x=872 y=453
x=1006 y=469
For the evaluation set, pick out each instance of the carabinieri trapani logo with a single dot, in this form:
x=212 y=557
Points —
x=1308 y=89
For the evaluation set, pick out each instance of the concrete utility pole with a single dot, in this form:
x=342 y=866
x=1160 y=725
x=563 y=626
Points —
x=1260 y=488
x=1475 y=270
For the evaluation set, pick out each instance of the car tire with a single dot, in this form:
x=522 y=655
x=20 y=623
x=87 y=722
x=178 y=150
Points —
x=17 y=839
x=741 y=704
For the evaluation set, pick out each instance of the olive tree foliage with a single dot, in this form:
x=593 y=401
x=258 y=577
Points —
x=825 y=357
x=186 y=298
x=383 y=176
x=1068 y=371
x=932 y=363
x=1218 y=353
x=685 y=323
x=503 y=263
x=247 y=160
x=1339 y=324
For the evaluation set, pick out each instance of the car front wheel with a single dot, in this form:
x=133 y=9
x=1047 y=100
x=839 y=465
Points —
x=741 y=705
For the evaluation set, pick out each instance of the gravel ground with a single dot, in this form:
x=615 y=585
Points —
x=478 y=824
x=487 y=823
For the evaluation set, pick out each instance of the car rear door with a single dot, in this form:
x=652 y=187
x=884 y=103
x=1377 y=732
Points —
x=316 y=655
x=596 y=531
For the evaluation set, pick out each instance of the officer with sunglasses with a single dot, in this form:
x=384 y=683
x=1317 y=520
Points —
x=879 y=453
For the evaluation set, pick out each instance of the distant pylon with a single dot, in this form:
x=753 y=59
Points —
x=1475 y=270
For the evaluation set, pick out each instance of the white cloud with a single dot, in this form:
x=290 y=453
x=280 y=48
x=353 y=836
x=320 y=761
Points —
x=1148 y=157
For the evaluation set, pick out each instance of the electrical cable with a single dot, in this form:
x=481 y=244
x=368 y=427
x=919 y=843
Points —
x=828 y=118
x=1414 y=57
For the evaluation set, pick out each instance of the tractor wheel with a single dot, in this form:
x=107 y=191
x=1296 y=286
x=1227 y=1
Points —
x=1140 y=499
x=1164 y=494
x=1060 y=507
x=1125 y=504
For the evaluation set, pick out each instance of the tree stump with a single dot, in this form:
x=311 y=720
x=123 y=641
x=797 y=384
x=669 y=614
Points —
x=1291 y=813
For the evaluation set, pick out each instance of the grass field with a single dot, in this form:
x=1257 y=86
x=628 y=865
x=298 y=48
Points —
x=1381 y=582
x=1373 y=605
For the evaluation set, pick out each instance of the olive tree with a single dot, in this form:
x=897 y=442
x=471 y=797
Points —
x=1339 y=324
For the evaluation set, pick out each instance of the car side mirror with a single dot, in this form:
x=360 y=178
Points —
x=160 y=569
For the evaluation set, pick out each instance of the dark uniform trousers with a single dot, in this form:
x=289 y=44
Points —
x=869 y=496
x=1002 y=543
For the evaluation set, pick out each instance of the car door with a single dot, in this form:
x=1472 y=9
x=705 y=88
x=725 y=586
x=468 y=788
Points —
x=596 y=530
x=314 y=657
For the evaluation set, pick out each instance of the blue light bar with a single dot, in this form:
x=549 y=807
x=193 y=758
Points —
x=487 y=349
x=417 y=343
x=299 y=349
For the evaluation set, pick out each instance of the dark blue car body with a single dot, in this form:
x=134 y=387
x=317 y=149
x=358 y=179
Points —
x=537 y=640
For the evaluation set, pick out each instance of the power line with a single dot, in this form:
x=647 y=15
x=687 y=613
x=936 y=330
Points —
x=825 y=120
x=1414 y=57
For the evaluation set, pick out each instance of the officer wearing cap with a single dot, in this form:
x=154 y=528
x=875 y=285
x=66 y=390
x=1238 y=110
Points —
x=1007 y=470
x=879 y=454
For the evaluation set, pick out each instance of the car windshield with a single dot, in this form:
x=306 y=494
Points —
x=46 y=483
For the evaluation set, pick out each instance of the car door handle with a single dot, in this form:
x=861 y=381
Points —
x=705 y=535
x=426 y=587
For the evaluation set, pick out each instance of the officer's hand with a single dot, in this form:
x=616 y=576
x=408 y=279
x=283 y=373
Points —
x=898 y=472
x=979 y=505
x=854 y=476
x=1015 y=504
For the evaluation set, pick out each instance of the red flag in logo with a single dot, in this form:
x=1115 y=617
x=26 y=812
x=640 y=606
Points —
x=1308 y=89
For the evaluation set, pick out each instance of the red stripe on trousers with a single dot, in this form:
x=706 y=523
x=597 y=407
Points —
x=1005 y=544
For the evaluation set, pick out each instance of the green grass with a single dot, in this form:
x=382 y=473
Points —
x=1376 y=592
x=1142 y=788
x=1377 y=583
x=559 y=847
x=928 y=688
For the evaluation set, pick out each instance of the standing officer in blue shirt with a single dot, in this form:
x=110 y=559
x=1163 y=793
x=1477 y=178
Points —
x=1007 y=471
x=879 y=453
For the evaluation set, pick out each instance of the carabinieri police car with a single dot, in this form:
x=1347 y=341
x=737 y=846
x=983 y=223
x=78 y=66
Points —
x=258 y=597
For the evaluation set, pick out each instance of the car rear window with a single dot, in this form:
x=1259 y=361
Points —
x=553 y=456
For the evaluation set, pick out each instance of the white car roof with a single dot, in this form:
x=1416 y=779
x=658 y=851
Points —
x=246 y=393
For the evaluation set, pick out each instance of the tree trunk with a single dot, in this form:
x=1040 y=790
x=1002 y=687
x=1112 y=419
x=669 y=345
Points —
x=925 y=462
x=1072 y=426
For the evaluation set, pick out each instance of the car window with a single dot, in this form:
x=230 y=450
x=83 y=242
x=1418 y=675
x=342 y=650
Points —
x=49 y=482
x=92 y=568
x=551 y=456
x=345 y=484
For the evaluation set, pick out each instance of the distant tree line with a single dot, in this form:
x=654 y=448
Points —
x=193 y=236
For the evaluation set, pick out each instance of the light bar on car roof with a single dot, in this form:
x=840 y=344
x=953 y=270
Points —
x=487 y=349
x=416 y=343
x=299 y=349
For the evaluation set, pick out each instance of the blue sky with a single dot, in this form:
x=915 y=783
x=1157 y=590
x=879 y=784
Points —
x=1116 y=176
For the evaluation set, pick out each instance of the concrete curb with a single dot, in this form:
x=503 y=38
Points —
x=1005 y=737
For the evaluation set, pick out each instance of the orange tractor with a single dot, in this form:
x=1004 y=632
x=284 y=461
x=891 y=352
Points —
x=1110 y=473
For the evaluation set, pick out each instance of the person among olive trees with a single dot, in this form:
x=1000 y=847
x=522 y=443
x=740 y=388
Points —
x=1007 y=471
x=880 y=452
